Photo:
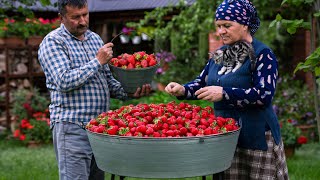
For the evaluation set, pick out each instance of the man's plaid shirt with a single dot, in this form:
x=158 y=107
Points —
x=80 y=88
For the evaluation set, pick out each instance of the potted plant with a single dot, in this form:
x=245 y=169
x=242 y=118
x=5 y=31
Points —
x=125 y=36
x=35 y=130
x=292 y=101
x=31 y=116
x=22 y=29
x=146 y=32
x=291 y=136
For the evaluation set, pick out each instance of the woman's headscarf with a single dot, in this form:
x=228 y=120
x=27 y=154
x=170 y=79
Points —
x=240 y=11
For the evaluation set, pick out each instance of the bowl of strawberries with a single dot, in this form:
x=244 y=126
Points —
x=134 y=70
x=172 y=140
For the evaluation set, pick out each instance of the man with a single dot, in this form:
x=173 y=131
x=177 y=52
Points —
x=74 y=60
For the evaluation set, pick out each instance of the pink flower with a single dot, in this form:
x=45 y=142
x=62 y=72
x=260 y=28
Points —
x=44 y=21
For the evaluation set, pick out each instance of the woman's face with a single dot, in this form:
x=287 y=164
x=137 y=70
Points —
x=231 y=32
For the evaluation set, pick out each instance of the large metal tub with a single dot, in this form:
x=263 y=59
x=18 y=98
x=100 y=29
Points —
x=163 y=157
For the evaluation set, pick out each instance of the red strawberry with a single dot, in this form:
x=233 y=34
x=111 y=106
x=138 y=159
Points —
x=142 y=129
x=123 y=62
x=138 y=65
x=144 y=63
x=130 y=66
x=112 y=130
x=156 y=134
x=131 y=59
x=152 y=62
x=100 y=129
x=94 y=122
x=207 y=131
x=183 y=131
x=170 y=133
x=149 y=131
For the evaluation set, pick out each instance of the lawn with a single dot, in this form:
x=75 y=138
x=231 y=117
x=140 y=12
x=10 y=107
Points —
x=18 y=162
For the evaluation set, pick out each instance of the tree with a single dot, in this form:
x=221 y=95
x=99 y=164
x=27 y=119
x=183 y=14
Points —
x=310 y=21
x=10 y=7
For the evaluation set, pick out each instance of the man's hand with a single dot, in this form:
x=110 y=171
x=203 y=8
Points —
x=144 y=91
x=210 y=93
x=105 y=53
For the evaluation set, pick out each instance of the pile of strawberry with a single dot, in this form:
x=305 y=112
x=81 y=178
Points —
x=161 y=120
x=136 y=60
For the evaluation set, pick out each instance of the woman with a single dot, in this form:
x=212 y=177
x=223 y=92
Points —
x=245 y=95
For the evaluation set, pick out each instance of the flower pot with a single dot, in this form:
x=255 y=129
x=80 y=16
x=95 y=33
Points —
x=289 y=151
x=15 y=41
x=124 y=39
x=145 y=37
x=136 y=40
x=33 y=144
x=2 y=41
x=34 y=40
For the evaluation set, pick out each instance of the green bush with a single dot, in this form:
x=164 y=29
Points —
x=293 y=100
x=156 y=97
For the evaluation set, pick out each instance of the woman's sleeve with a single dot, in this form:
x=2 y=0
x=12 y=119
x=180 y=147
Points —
x=264 y=80
x=196 y=84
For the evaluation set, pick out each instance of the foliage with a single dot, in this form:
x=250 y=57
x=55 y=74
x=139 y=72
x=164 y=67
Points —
x=289 y=132
x=165 y=58
x=35 y=128
x=181 y=35
x=32 y=116
x=292 y=101
x=19 y=7
x=27 y=27
x=311 y=64
x=156 y=97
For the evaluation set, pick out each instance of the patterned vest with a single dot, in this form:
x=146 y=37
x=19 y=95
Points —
x=254 y=120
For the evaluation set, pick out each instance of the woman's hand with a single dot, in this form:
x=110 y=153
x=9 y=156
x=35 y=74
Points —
x=175 y=89
x=210 y=93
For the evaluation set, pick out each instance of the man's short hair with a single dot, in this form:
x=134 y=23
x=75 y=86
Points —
x=73 y=3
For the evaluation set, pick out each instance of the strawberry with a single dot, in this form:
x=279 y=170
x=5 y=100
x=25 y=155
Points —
x=112 y=130
x=183 y=131
x=94 y=122
x=170 y=133
x=131 y=59
x=123 y=62
x=152 y=62
x=142 y=129
x=207 y=131
x=130 y=66
x=149 y=131
x=100 y=129
x=144 y=63
x=156 y=134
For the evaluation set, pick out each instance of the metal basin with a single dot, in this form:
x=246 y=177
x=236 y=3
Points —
x=163 y=157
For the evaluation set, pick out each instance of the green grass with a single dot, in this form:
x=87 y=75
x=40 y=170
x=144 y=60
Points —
x=20 y=163
x=305 y=164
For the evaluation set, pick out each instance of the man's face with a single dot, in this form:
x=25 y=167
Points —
x=76 y=20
